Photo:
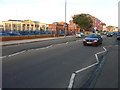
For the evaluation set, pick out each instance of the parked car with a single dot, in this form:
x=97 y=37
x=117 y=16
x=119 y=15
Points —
x=82 y=34
x=78 y=35
x=93 y=39
x=4 y=34
x=14 y=34
x=110 y=34
x=118 y=36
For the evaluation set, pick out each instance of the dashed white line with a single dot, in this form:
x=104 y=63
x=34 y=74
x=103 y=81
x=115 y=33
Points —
x=16 y=53
x=24 y=51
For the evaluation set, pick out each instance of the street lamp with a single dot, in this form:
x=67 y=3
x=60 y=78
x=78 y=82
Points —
x=65 y=15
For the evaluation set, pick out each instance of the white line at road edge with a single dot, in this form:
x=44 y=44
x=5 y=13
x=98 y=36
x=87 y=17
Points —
x=32 y=50
x=78 y=71
x=25 y=51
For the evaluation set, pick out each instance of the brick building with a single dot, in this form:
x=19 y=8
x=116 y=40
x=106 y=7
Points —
x=96 y=23
x=73 y=27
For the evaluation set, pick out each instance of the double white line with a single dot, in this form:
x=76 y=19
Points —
x=76 y=72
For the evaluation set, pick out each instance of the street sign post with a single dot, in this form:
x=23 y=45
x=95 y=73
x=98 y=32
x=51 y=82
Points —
x=95 y=29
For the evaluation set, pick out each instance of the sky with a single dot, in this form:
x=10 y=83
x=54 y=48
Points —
x=49 y=11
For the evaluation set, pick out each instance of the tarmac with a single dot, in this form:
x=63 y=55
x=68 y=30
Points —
x=107 y=77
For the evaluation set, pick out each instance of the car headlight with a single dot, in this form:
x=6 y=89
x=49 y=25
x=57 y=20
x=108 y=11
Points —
x=95 y=40
x=84 y=40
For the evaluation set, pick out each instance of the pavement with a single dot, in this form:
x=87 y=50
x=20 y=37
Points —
x=14 y=42
x=107 y=77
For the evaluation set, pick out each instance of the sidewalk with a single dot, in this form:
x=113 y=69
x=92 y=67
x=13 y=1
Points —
x=107 y=77
x=6 y=43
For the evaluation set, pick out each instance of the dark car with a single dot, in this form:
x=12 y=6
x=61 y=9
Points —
x=13 y=34
x=93 y=39
x=4 y=34
x=118 y=36
x=110 y=34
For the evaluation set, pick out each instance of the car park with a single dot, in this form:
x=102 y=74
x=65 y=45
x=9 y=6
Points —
x=92 y=39
x=78 y=35
x=110 y=34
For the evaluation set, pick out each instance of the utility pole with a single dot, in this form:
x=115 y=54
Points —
x=65 y=16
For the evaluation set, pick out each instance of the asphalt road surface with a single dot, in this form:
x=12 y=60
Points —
x=50 y=65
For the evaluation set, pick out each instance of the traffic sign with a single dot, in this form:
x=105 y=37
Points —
x=95 y=28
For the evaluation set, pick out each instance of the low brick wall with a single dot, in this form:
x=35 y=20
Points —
x=10 y=38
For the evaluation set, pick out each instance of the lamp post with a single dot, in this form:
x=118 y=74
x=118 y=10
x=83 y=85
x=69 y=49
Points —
x=65 y=15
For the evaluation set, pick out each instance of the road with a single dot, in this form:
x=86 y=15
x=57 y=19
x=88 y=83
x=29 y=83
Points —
x=50 y=64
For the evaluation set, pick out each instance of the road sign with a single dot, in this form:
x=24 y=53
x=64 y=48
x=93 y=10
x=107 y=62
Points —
x=95 y=28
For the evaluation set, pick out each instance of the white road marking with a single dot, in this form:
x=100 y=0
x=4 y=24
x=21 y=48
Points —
x=24 y=51
x=71 y=81
x=86 y=68
x=46 y=47
x=78 y=71
x=116 y=45
x=66 y=42
x=97 y=58
x=16 y=53
x=3 y=57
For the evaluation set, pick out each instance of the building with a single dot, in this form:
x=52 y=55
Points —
x=55 y=26
x=100 y=26
x=73 y=27
x=23 y=25
x=1 y=27
x=103 y=27
x=112 y=29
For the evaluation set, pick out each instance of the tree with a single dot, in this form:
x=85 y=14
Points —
x=83 y=20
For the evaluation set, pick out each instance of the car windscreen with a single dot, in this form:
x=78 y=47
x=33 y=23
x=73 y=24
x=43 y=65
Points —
x=118 y=34
x=92 y=36
x=109 y=33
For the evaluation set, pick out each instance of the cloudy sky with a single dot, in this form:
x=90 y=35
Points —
x=48 y=11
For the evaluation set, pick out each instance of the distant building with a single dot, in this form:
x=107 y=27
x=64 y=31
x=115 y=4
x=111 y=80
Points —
x=55 y=26
x=96 y=23
x=1 y=27
x=23 y=25
x=112 y=29
x=73 y=27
